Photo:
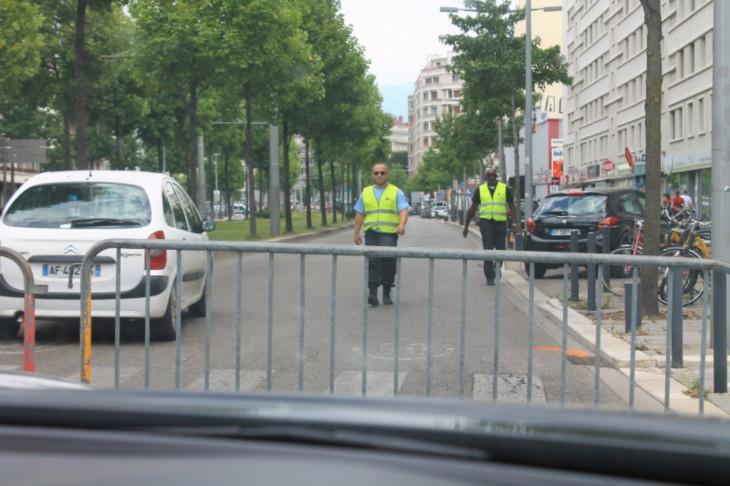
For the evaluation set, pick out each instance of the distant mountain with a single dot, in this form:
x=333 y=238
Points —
x=395 y=99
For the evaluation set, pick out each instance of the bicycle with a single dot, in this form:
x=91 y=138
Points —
x=692 y=283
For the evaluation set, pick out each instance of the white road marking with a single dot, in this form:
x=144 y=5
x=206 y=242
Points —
x=225 y=380
x=102 y=377
x=510 y=388
x=379 y=383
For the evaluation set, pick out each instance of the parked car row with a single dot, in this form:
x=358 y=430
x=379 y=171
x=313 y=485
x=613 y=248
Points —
x=437 y=209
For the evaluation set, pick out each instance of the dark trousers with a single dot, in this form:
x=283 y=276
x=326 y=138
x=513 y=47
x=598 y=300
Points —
x=494 y=234
x=381 y=271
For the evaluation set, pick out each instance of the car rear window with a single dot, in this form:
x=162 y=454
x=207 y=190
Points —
x=80 y=205
x=573 y=205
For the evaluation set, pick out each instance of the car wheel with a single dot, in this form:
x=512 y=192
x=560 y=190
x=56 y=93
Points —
x=540 y=270
x=198 y=309
x=9 y=328
x=165 y=328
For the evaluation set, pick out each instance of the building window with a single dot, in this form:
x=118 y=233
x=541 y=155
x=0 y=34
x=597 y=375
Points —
x=690 y=119
x=675 y=124
x=428 y=80
x=425 y=96
x=701 y=115
x=426 y=126
x=434 y=95
x=435 y=80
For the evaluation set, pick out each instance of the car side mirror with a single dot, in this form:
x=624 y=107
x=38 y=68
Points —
x=208 y=225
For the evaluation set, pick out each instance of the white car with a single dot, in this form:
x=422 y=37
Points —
x=439 y=210
x=55 y=217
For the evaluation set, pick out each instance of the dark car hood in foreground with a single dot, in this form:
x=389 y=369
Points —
x=612 y=445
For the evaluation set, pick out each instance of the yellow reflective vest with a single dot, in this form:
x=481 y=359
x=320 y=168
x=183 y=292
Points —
x=382 y=216
x=493 y=206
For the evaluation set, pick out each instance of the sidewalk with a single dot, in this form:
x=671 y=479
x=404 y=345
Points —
x=650 y=354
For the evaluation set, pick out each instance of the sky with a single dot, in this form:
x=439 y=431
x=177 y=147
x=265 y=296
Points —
x=397 y=37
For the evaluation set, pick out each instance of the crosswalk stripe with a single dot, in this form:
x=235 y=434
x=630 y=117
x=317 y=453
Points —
x=379 y=383
x=510 y=388
x=225 y=380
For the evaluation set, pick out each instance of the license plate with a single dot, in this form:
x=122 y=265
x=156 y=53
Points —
x=62 y=271
x=561 y=231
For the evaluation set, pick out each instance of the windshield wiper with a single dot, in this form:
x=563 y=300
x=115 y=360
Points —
x=76 y=223
x=556 y=212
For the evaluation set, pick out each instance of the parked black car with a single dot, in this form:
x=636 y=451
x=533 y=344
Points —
x=590 y=210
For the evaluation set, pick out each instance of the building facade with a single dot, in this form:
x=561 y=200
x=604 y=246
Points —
x=436 y=92
x=604 y=142
x=399 y=135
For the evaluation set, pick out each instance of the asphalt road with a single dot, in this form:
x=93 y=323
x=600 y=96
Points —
x=431 y=347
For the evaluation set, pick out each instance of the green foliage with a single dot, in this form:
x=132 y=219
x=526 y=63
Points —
x=20 y=44
x=160 y=73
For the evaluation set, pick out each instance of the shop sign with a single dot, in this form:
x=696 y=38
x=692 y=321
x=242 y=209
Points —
x=607 y=166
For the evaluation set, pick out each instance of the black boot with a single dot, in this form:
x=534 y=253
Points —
x=386 y=296
x=373 y=297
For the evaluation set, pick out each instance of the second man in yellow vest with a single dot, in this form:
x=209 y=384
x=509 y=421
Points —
x=493 y=199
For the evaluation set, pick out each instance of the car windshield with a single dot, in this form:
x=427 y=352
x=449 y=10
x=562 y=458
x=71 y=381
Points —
x=574 y=205
x=79 y=205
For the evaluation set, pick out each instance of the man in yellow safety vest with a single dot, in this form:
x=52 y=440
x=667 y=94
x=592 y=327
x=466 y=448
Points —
x=492 y=200
x=383 y=209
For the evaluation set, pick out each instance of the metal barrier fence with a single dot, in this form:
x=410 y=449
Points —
x=716 y=268
x=30 y=289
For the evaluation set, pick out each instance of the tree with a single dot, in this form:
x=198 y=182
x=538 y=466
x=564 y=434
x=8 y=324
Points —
x=20 y=44
x=491 y=61
x=180 y=49
x=653 y=111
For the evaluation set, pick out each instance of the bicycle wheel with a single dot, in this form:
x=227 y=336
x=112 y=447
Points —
x=620 y=275
x=692 y=280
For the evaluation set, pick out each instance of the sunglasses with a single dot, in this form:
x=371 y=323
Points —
x=491 y=175
x=378 y=172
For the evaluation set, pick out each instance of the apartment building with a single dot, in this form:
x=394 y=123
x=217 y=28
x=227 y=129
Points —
x=436 y=92
x=399 y=135
x=604 y=141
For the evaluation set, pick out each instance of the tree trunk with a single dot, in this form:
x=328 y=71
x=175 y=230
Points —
x=249 y=167
x=308 y=183
x=289 y=227
x=193 y=143
x=334 y=192
x=653 y=110
x=227 y=186
x=322 y=198
x=81 y=158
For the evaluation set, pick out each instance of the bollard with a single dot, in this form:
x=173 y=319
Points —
x=518 y=241
x=591 y=273
x=676 y=323
x=719 y=330
x=629 y=306
x=606 y=250
x=574 y=276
